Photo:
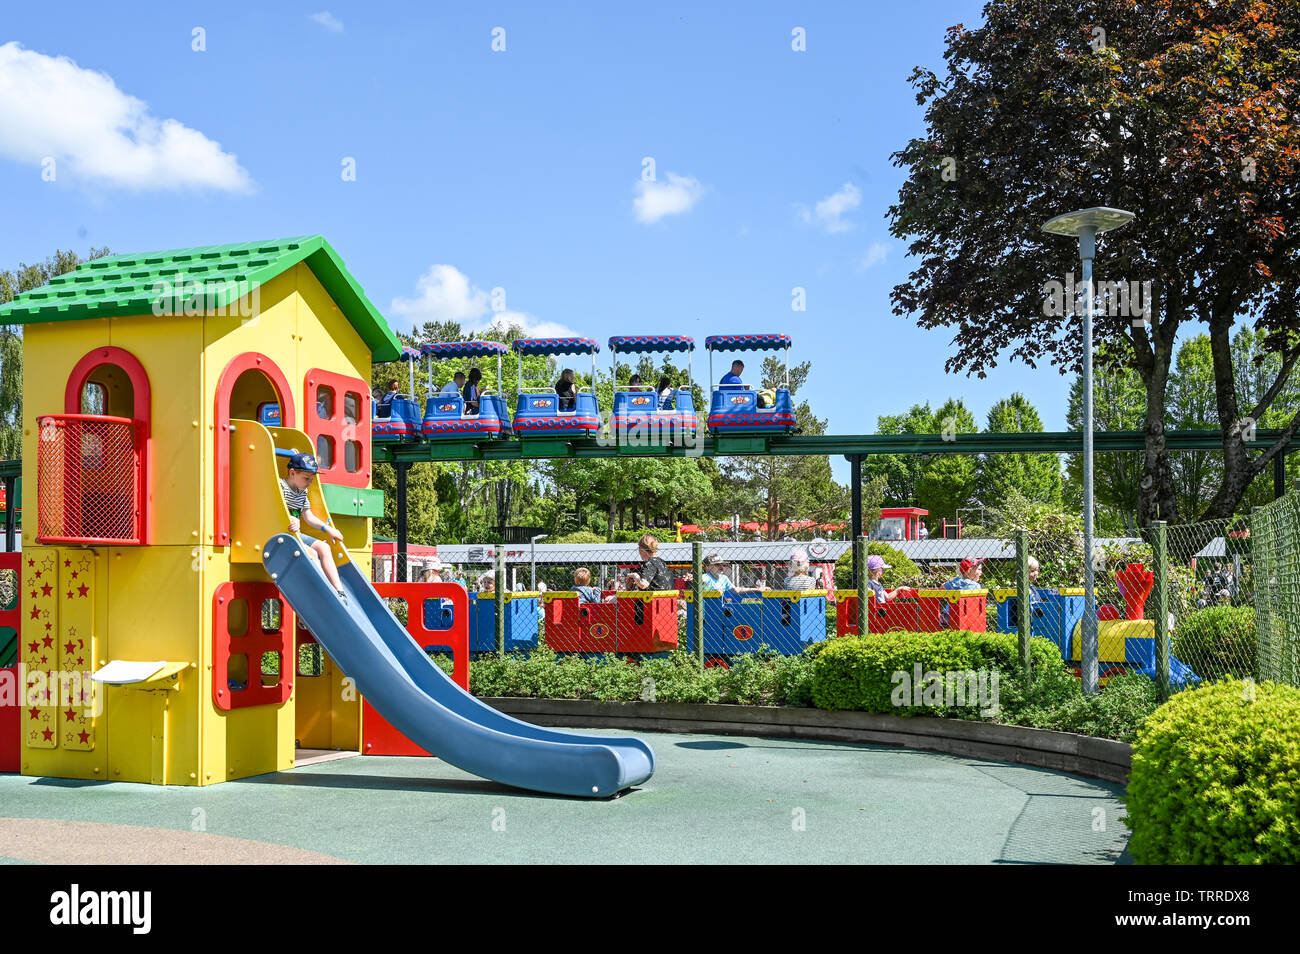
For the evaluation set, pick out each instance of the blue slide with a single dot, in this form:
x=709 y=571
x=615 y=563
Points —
x=404 y=685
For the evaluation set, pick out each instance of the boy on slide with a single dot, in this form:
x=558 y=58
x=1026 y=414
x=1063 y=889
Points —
x=302 y=468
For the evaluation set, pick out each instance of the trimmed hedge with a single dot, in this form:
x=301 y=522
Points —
x=843 y=673
x=1217 y=641
x=1216 y=777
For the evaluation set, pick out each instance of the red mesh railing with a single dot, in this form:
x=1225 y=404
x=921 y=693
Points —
x=88 y=475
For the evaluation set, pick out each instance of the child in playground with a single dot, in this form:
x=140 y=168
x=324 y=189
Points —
x=302 y=469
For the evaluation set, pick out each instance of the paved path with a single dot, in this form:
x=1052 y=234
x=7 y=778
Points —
x=712 y=798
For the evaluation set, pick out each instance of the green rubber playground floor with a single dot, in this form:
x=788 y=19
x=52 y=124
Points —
x=712 y=799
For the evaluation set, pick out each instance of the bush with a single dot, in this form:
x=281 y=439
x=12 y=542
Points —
x=1216 y=777
x=857 y=673
x=794 y=679
x=1217 y=641
x=579 y=536
x=902 y=571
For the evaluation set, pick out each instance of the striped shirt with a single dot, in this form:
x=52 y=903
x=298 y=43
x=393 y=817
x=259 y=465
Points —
x=294 y=499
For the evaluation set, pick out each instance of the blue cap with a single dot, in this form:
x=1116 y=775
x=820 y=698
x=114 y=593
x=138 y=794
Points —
x=304 y=462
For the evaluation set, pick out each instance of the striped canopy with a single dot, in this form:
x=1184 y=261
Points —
x=468 y=349
x=555 y=346
x=639 y=344
x=409 y=354
x=747 y=342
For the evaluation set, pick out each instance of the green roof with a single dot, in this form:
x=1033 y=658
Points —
x=120 y=285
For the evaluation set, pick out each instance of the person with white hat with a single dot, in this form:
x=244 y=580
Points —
x=876 y=567
x=433 y=571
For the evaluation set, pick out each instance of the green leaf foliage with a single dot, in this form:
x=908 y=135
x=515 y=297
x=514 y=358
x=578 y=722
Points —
x=1217 y=641
x=1216 y=778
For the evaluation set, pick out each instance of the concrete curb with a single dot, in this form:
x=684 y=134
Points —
x=1061 y=751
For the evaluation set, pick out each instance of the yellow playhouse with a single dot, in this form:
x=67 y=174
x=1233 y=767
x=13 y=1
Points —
x=158 y=388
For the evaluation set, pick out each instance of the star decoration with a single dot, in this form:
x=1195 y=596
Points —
x=33 y=713
x=69 y=647
x=46 y=589
x=48 y=641
x=49 y=735
x=83 y=589
x=71 y=714
x=85 y=737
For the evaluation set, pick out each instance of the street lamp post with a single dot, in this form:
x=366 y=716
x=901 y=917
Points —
x=1086 y=225
x=532 y=546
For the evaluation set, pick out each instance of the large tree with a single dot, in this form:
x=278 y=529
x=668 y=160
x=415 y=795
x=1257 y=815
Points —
x=1036 y=476
x=898 y=473
x=946 y=483
x=1181 y=112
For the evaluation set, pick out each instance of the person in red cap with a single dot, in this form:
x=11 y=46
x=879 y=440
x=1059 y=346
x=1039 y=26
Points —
x=971 y=570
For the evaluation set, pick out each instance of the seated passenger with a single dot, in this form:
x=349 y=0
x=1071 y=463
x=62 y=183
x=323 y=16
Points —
x=452 y=387
x=715 y=579
x=732 y=378
x=582 y=586
x=970 y=572
x=766 y=398
x=968 y=577
x=654 y=574
x=392 y=392
x=876 y=567
x=634 y=383
x=567 y=391
x=800 y=577
x=666 y=393
x=471 y=391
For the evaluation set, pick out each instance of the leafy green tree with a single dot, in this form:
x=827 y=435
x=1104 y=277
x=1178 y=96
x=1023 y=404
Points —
x=1037 y=476
x=14 y=283
x=899 y=473
x=789 y=488
x=947 y=481
x=1118 y=403
x=1183 y=113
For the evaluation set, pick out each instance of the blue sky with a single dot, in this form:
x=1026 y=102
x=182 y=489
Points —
x=522 y=169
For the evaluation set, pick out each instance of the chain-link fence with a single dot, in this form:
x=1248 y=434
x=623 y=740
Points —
x=1274 y=541
x=1182 y=595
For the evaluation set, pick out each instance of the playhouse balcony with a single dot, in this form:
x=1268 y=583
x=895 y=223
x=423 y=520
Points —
x=90 y=471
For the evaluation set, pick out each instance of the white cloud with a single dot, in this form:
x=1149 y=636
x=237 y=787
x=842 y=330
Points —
x=445 y=293
x=655 y=200
x=328 y=20
x=829 y=212
x=876 y=253
x=51 y=108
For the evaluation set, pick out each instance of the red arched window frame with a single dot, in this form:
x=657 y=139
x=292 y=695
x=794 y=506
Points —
x=248 y=361
x=140 y=413
x=335 y=428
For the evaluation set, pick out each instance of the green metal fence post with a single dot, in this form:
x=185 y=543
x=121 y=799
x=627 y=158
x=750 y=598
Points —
x=1024 y=600
x=860 y=581
x=500 y=590
x=1160 y=566
x=697 y=597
